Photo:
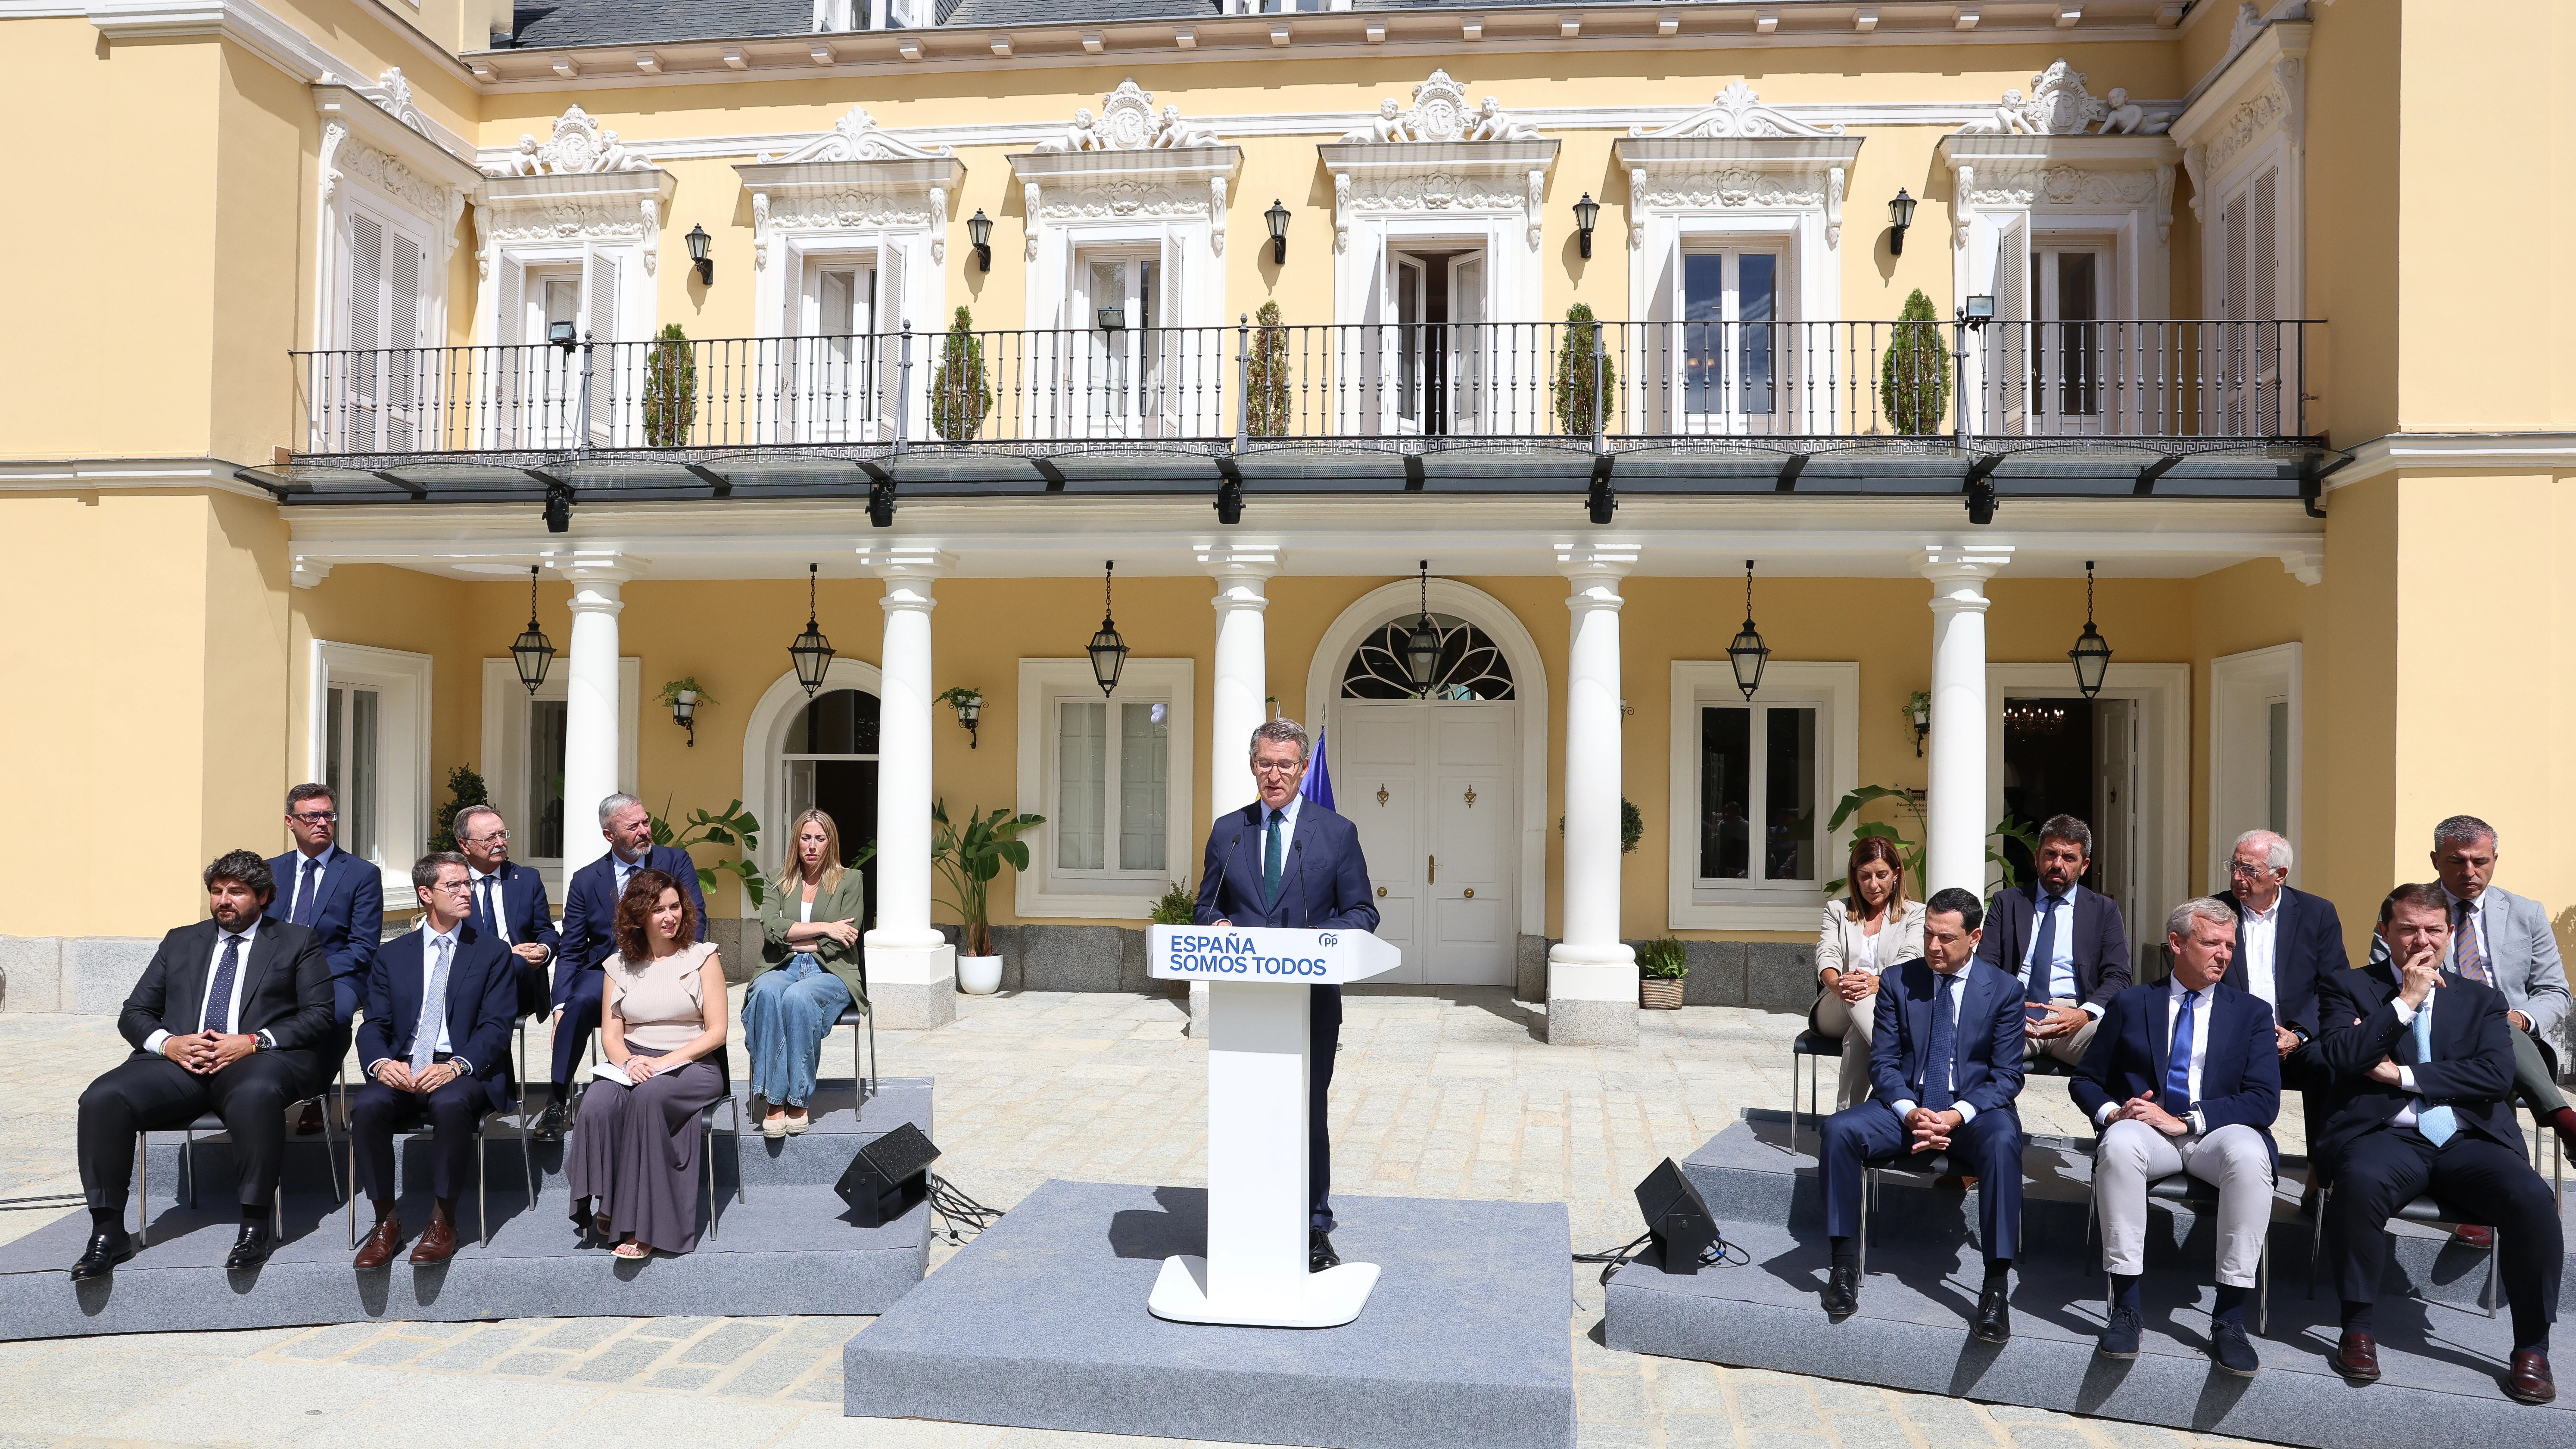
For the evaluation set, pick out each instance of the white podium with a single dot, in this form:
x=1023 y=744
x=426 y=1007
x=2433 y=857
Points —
x=1255 y=1271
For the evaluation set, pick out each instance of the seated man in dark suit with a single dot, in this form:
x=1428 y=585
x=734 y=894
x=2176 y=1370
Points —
x=590 y=935
x=435 y=1044
x=509 y=903
x=2423 y=1065
x=232 y=1016
x=2286 y=940
x=2185 y=1076
x=340 y=899
x=1946 y=1061
x=2067 y=944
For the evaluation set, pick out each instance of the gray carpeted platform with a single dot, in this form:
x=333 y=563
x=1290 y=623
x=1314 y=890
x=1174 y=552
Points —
x=1041 y=1323
x=2443 y=1360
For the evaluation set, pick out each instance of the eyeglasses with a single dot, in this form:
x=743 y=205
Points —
x=318 y=817
x=497 y=837
x=459 y=887
x=2239 y=869
x=1261 y=769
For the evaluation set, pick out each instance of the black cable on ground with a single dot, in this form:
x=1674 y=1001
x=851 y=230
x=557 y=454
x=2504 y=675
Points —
x=1721 y=1254
x=954 y=1209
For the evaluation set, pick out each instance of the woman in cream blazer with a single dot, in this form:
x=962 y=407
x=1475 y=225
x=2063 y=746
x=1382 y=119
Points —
x=1864 y=933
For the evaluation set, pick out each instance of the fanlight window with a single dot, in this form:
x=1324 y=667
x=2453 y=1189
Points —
x=1471 y=664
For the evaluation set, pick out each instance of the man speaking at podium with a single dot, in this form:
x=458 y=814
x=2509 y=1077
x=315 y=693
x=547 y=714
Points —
x=1286 y=861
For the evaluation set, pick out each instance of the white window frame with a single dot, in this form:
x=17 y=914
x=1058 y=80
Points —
x=1830 y=687
x=402 y=681
x=1042 y=891
x=2242 y=689
x=430 y=303
x=505 y=749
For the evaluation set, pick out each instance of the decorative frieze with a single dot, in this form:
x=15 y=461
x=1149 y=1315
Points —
x=1127 y=162
x=1127 y=122
x=1441 y=154
x=578 y=147
x=2058 y=104
x=1736 y=154
x=854 y=177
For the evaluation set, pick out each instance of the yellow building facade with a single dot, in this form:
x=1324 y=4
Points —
x=354 y=313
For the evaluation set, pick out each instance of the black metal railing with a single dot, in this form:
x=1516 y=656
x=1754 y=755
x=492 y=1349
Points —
x=1605 y=383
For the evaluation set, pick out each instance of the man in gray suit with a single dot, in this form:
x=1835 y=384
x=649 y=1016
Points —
x=2504 y=940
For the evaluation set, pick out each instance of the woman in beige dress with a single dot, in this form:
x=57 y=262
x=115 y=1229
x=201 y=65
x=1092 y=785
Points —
x=633 y=1159
x=1865 y=932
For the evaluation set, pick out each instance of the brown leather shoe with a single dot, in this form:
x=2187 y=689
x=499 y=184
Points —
x=382 y=1243
x=311 y=1120
x=2474 y=1235
x=437 y=1243
x=1953 y=1182
x=2357 y=1358
x=2531 y=1383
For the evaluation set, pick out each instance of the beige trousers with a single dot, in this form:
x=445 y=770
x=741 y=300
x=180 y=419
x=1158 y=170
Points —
x=2232 y=1158
x=2069 y=1048
x=1851 y=1021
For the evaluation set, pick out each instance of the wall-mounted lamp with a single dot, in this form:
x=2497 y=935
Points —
x=560 y=335
x=1586 y=212
x=1918 y=717
x=1900 y=215
x=1277 y=216
x=684 y=697
x=969 y=704
x=698 y=240
x=979 y=234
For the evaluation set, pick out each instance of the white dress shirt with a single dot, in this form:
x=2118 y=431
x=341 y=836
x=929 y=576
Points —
x=323 y=862
x=2061 y=948
x=429 y=943
x=1287 y=828
x=489 y=893
x=2261 y=930
x=1956 y=985
x=248 y=936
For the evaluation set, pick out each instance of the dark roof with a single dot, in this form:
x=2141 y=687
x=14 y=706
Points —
x=981 y=13
x=648 y=22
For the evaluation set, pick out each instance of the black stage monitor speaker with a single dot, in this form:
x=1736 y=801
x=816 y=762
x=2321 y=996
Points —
x=1678 y=1217
x=889 y=1177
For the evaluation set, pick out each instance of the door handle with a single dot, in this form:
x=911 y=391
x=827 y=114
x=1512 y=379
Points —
x=1381 y=893
x=1471 y=893
x=1431 y=870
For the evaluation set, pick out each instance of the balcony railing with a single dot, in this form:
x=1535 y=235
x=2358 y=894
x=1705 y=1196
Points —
x=1611 y=385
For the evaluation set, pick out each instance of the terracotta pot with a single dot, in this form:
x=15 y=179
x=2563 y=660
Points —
x=1657 y=993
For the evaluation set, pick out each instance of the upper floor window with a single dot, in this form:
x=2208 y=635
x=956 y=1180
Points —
x=874 y=14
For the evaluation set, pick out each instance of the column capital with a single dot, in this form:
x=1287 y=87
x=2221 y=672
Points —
x=1963 y=563
x=598 y=566
x=924 y=564
x=1242 y=576
x=1580 y=562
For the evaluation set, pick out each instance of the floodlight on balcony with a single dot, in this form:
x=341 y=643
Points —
x=1979 y=311
x=561 y=335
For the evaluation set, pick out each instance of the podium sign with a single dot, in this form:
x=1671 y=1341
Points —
x=1259 y=1049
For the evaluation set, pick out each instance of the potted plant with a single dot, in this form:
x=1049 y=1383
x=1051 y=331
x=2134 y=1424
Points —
x=1177 y=907
x=968 y=859
x=1664 y=966
x=681 y=697
x=1266 y=377
x=1914 y=374
x=1587 y=380
x=670 y=389
x=959 y=396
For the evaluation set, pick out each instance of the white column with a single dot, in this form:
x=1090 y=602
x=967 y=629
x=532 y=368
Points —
x=1591 y=974
x=590 y=703
x=912 y=970
x=1239 y=696
x=1955 y=822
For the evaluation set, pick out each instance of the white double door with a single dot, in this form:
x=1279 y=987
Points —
x=1431 y=787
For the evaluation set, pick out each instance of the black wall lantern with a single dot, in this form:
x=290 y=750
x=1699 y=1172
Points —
x=698 y=239
x=1586 y=212
x=1107 y=650
x=811 y=651
x=1422 y=644
x=684 y=713
x=970 y=711
x=1277 y=216
x=532 y=650
x=979 y=234
x=1746 y=651
x=1900 y=215
x=2092 y=652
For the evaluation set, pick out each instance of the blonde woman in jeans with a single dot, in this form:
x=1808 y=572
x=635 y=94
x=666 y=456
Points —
x=1865 y=932
x=810 y=939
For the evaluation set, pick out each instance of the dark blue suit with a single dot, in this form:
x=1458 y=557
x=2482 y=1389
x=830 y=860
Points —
x=1323 y=884
x=521 y=906
x=346 y=914
x=2307 y=949
x=482 y=1001
x=2240 y=1077
x=1985 y=1071
x=590 y=937
x=2099 y=949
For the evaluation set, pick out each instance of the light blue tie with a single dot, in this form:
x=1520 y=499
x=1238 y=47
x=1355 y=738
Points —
x=2436 y=1123
x=433 y=1012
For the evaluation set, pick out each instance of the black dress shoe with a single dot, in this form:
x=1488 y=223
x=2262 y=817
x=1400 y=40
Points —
x=250 y=1249
x=2121 y=1336
x=1842 y=1291
x=107 y=1248
x=2233 y=1351
x=551 y=1123
x=1319 y=1251
x=1994 y=1318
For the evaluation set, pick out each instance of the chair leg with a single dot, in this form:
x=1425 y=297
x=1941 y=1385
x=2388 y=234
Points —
x=527 y=1158
x=1793 y=1104
x=1868 y=1199
x=707 y=1150
x=858 y=1073
x=143 y=1189
x=2317 y=1232
x=740 y=1190
x=331 y=1152
x=277 y=1213
x=2263 y=1286
x=875 y=1062
x=353 y=1190
x=188 y=1165
x=2490 y=1294
x=483 y=1182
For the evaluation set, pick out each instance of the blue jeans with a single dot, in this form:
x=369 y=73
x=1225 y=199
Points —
x=785 y=1016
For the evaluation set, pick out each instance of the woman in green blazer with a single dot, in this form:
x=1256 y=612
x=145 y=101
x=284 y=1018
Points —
x=810 y=940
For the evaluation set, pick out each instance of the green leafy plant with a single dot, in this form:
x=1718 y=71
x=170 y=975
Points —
x=1266 y=391
x=1665 y=959
x=959 y=395
x=464 y=788
x=957 y=694
x=670 y=389
x=1914 y=376
x=1912 y=852
x=968 y=859
x=733 y=826
x=1632 y=825
x=671 y=692
x=1177 y=907
x=1576 y=382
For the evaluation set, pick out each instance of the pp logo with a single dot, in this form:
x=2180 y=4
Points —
x=1328 y=939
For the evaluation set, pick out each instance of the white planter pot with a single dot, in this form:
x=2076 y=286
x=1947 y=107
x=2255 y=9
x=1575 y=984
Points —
x=979 y=975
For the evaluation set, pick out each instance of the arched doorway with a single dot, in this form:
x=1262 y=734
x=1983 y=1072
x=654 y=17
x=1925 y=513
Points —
x=818 y=753
x=1443 y=783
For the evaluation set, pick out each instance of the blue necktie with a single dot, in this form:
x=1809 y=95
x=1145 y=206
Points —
x=1270 y=859
x=308 y=892
x=2043 y=952
x=2178 y=1060
x=2435 y=1123
x=219 y=997
x=1938 y=1068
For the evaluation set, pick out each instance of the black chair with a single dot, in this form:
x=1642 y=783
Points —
x=2184 y=1190
x=211 y=1123
x=1810 y=1044
x=707 y=1154
x=866 y=1082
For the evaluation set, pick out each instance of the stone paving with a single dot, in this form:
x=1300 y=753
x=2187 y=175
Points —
x=1449 y=1095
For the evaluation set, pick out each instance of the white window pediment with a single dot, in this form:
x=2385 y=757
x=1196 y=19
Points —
x=373 y=139
x=1442 y=155
x=1133 y=175
x=1737 y=154
x=854 y=177
x=581 y=186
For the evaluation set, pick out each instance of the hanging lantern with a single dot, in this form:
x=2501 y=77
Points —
x=533 y=650
x=1746 y=651
x=1422 y=645
x=1107 y=650
x=2092 y=652
x=811 y=651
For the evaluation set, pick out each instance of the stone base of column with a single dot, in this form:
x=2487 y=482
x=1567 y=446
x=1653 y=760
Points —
x=912 y=988
x=1591 y=1001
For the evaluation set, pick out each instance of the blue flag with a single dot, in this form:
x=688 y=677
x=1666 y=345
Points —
x=1319 y=778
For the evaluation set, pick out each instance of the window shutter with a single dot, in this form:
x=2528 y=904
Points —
x=2010 y=384
x=506 y=365
x=2263 y=254
x=2231 y=247
x=599 y=302
x=403 y=361
x=364 y=334
x=891 y=311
